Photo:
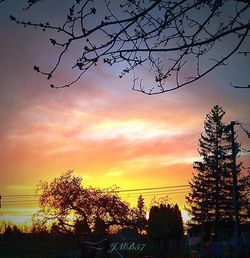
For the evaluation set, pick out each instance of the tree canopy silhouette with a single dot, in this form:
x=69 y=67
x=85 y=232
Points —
x=73 y=208
x=139 y=216
x=165 y=223
x=177 y=42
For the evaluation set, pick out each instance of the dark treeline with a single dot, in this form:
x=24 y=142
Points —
x=163 y=227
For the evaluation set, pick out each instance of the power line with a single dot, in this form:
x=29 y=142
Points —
x=159 y=192
x=19 y=201
x=28 y=199
x=19 y=195
x=134 y=195
x=150 y=188
x=164 y=190
x=154 y=194
x=115 y=191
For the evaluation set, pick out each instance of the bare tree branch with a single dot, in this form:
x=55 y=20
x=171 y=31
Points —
x=240 y=87
x=177 y=42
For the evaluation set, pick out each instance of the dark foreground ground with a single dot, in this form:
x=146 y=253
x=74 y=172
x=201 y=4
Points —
x=51 y=247
x=37 y=248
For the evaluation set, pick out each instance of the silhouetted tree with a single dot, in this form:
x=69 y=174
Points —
x=165 y=223
x=246 y=181
x=55 y=229
x=72 y=207
x=175 y=40
x=8 y=232
x=38 y=225
x=178 y=230
x=81 y=211
x=140 y=215
x=211 y=196
x=16 y=230
x=12 y=231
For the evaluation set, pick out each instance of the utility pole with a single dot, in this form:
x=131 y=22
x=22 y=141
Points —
x=230 y=128
x=202 y=224
x=0 y=201
x=235 y=187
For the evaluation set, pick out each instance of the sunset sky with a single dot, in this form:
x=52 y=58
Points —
x=100 y=128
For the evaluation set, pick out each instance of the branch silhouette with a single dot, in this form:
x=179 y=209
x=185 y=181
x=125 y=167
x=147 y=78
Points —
x=176 y=42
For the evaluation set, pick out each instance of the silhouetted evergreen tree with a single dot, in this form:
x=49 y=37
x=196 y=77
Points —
x=160 y=221
x=164 y=224
x=211 y=196
x=8 y=231
x=247 y=191
x=178 y=223
x=141 y=220
x=12 y=232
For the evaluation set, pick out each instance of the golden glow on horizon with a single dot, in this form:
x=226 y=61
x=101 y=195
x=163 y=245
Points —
x=21 y=216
